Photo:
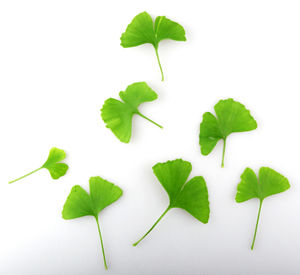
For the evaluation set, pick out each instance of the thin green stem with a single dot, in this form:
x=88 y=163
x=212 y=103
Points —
x=150 y=120
x=161 y=71
x=260 y=204
x=223 y=154
x=104 y=259
x=26 y=175
x=135 y=244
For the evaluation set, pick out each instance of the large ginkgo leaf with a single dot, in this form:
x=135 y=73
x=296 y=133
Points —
x=79 y=203
x=191 y=196
x=231 y=117
x=268 y=183
x=118 y=115
x=143 y=30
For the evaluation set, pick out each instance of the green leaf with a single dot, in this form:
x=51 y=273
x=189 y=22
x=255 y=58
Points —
x=268 y=183
x=79 y=203
x=118 y=115
x=192 y=196
x=143 y=30
x=231 y=117
x=53 y=164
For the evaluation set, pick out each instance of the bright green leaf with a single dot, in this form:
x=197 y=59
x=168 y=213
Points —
x=143 y=30
x=79 y=203
x=231 y=117
x=268 y=183
x=191 y=196
x=118 y=115
x=54 y=165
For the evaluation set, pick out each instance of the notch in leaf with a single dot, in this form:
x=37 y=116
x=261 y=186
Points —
x=268 y=183
x=143 y=30
x=191 y=196
x=54 y=165
x=79 y=203
x=118 y=115
x=231 y=117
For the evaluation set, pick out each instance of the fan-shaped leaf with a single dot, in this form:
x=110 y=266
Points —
x=118 y=115
x=79 y=203
x=52 y=164
x=269 y=182
x=192 y=196
x=231 y=117
x=143 y=30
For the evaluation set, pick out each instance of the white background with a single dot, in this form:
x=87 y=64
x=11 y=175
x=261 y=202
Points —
x=59 y=61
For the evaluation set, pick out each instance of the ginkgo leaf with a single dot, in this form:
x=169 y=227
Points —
x=231 y=117
x=143 y=30
x=268 y=183
x=53 y=164
x=192 y=196
x=79 y=203
x=118 y=115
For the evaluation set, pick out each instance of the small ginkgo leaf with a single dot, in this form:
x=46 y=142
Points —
x=268 y=183
x=231 y=117
x=118 y=115
x=79 y=203
x=192 y=196
x=143 y=30
x=53 y=164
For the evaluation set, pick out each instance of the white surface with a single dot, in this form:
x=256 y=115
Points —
x=59 y=61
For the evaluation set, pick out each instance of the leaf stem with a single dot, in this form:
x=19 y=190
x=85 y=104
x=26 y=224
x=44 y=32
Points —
x=104 y=259
x=260 y=204
x=26 y=175
x=150 y=120
x=135 y=244
x=223 y=154
x=161 y=71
